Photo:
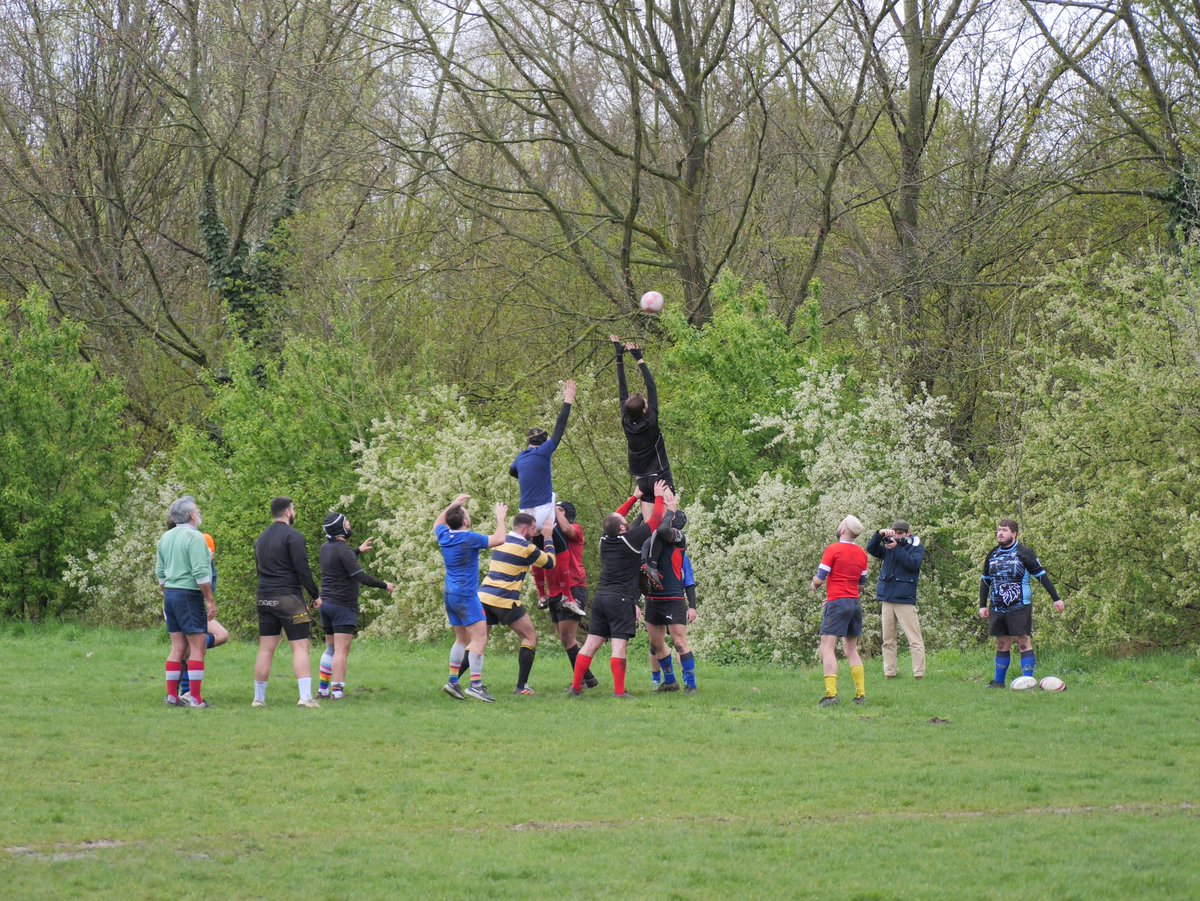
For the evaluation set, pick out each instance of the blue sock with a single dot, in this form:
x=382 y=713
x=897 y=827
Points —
x=1002 y=665
x=668 y=670
x=1028 y=662
x=656 y=677
x=687 y=662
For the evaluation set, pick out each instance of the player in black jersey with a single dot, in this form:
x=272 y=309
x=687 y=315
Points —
x=614 y=608
x=648 y=461
x=667 y=607
x=341 y=577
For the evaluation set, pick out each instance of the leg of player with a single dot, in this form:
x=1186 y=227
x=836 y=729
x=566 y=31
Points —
x=477 y=639
x=262 y=668
x=528 y=635
x=195 y=666
x=325 y=668
x=655 y=670
x=687 y=660
x=302 y=667
x=658 y=645
x=341 y=655
x=568 y=634
x=1003 y=657
x=174 y=667
x=216 y=636
x=583 y=662
x=857 y=673
x=1028 y=661
x=830 y=667
x=620 y=649
x=458 y=660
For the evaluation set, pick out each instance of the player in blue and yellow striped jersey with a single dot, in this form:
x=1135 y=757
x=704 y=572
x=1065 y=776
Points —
x=500 y=592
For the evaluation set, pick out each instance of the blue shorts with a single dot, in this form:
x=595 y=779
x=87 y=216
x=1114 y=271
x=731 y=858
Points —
x=336 y=619
x=463 y=609
x=842 y=618
x=185 y=611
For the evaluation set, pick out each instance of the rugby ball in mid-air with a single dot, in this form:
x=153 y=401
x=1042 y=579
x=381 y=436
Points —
x=1053 y=683
x=1023 y=683
x=652 y=302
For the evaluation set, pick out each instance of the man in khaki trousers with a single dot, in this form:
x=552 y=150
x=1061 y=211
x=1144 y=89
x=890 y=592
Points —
x=901 y=553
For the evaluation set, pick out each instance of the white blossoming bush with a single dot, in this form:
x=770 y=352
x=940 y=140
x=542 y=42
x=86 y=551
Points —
x=866 y=450
x=412 y=466
x=117 y=580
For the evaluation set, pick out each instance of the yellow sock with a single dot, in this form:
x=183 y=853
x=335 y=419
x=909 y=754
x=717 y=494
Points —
x=859 y=675
x=831 y=686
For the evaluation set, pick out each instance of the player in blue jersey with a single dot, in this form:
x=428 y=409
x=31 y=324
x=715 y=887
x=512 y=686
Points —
x=460 y=550
x=531 y=469
x=1007 y=571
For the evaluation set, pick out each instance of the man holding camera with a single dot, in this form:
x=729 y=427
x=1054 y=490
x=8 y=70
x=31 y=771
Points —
x=901 y=553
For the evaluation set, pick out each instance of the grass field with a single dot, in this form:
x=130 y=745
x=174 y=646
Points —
x=937 y=789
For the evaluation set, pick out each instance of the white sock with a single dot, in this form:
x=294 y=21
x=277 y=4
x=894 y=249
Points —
x=260 y=692
x=305 y=685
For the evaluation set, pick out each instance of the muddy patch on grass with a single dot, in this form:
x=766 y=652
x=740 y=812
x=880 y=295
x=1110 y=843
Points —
x=63 y=852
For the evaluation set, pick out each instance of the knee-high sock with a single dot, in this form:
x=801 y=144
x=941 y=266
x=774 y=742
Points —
x=458 y=654
x=687 y=663
x=173 y=669
x=859 y=675
x=668 y=669
x=831 y=686
x=196 y=677
x=582 y=662
x=1002 y=660
x=326 y=671
x=617 y=664
x=1028 y=662
x=475 y=662
x=524 y=665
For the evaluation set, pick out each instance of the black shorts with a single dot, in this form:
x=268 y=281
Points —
x=1012 y=624
x=842 y=618
x=671 y=612
x=613 y=616
x=288 y=614
x=646 y=483
x=559 y=615
x=503 y=616
x=338 y=620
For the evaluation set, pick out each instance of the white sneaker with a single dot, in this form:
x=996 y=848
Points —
x=257 y=705
x=308 y=702
x=571 y=606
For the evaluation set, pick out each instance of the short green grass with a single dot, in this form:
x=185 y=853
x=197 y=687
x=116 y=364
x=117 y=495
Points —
x=936 y=789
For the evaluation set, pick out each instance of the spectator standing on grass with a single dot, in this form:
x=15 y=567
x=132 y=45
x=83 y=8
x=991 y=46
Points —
x=215 y=634
x=183 y=567
x=1005 y=582
x=842 y=572
x=281 y=558
x=901 y=553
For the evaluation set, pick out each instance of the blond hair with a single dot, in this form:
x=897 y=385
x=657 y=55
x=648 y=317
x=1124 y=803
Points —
x=851 y=527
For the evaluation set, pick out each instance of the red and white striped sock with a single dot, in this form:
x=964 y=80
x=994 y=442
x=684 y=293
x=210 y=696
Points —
x=173 y=668
x=196 y=675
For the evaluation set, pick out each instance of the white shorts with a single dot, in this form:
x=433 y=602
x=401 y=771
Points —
x=543 y=512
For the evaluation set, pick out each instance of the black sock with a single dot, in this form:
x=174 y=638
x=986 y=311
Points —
x=572 y=653
x=465 y=665
x=525 y=659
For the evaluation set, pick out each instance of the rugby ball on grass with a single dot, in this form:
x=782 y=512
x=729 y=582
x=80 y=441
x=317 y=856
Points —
x=1024 y=683
x=1053 y=683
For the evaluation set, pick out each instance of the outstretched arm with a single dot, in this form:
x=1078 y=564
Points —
x=560 y=425
x=497 y=537
x=643 y=366
x=622 y=388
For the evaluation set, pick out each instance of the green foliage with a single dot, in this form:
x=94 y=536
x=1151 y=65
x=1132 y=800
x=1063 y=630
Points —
x=65 y=448
x=865 y=449
x=282 y=429
x=1103 y=469
x=716 y=378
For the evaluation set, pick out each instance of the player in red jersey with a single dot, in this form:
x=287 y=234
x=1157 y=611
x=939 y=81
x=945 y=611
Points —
x=843 y=572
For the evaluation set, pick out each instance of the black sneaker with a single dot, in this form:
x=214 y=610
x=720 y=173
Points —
x=574 y=693
x=454 y=690
x=590 y=681
x=828 y=701
x=690 y=689
x=995 y=684
x=667 y=686
x=860 y=700
x=624 y=696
